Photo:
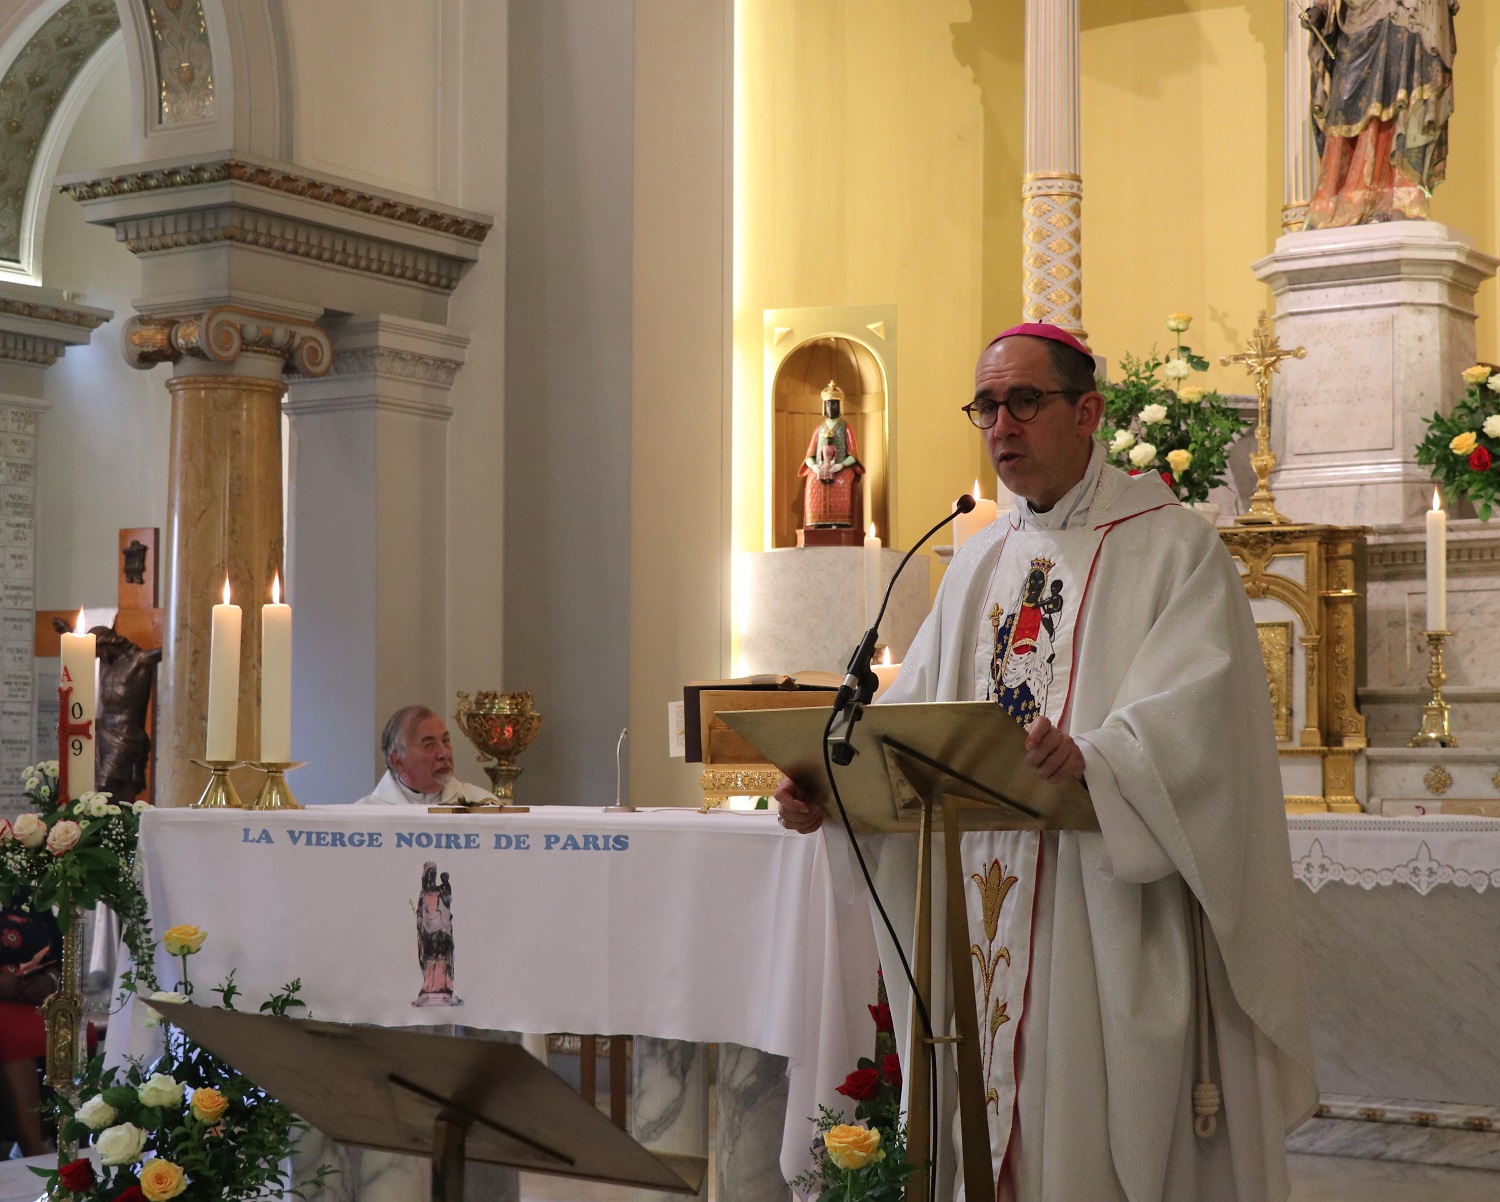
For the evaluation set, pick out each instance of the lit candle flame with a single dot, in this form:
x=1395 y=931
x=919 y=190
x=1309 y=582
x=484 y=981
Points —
x=78 y=625
x=885 y=659
x=276 y=588
x=226 y=588
x=1436 y=500
x=872 y=529
x=977 y=495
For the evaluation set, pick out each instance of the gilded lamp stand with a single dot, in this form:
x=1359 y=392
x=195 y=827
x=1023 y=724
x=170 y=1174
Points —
x=1262 y=357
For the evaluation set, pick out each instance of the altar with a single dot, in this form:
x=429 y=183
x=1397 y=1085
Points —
x=705 y=928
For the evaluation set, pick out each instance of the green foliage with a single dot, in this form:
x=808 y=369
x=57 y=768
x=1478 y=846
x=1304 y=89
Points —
x=240 y=1155
x=99 y=867
x=1203 y=425
x=1465 y=473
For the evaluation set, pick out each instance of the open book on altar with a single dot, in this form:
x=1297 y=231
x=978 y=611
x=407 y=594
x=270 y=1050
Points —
x=969 y=750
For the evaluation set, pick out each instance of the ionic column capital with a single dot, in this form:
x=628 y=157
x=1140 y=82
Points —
x=230 y=337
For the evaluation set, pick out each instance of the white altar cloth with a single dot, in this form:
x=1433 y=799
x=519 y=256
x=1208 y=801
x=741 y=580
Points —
x=674 y=924
x=1371 y=852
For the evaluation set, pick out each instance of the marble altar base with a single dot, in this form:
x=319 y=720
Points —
x=807 y=607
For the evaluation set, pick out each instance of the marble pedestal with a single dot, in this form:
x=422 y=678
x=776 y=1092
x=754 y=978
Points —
x=807 y=607
x=1386 y=313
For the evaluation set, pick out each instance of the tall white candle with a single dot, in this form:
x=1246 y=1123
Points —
x=78 y=674
x=971 y=523
x=224 y=682
x=1437 y=565
x=872 y=575
x=276 y=679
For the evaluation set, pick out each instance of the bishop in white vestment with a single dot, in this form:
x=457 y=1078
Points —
x=1111 y=622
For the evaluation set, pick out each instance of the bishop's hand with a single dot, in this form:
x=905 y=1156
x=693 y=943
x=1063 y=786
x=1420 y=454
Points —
x=797 y=813
x=1052 y=753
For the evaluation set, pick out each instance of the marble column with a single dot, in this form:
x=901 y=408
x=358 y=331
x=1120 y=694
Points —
x=1052 y=186
x=223 y=510
x=368 y=503
x=669 y=1102
x=751 y=1097
x=1299 y=144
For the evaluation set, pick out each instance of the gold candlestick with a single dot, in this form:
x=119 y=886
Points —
x=1262 y=358
x=62 y=1014
x=274 y=794
x=219 y=793
x=1435 y=732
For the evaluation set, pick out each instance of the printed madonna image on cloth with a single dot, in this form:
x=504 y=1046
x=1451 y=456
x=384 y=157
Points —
x=1022 y=665
x=434 y=910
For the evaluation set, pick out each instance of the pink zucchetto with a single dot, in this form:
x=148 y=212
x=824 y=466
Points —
x=1040 y=329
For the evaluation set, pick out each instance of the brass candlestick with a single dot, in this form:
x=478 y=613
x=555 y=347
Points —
x=1262 y=357
x=1435 y=732
x=62 y=1014
x=274 y=794
x=219 y=793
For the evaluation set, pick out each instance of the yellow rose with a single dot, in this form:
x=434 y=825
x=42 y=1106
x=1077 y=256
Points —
x=184 y=940
x=208 y=1105
x=852 y=1147
x=1464 y=444
x=1192 y=394
x=161 y=1179
x=1179 y=461
x=1477 y=374
x=1179 y=322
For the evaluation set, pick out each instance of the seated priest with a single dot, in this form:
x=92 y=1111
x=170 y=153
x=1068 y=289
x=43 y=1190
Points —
x=419 y=763
x=1110 y=622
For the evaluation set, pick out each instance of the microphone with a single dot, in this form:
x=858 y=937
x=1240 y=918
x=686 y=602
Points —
x=859 y=679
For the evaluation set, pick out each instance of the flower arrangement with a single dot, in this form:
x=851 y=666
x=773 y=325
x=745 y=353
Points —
x=187 y=1126
x=866 y=1159
x=1182 y=432
x=1463 y=445
x=71 y=855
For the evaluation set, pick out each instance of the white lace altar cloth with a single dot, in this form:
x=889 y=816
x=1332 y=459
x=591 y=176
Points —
x=1420 y=853
x=710 y=928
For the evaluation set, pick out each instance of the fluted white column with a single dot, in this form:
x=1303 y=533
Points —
x=1300 y=149
x=1052 y=187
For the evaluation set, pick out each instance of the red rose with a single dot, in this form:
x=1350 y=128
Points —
x=76 y=1176
x=890 y=1069
x=861 y=1085
x=1480 y=460
x=882 y=1016
x=133 y=1194
x=1166 y=478
x=1134 y=472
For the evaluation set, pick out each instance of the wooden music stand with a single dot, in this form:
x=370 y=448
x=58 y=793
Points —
x=960 y=760
x=446 y=1097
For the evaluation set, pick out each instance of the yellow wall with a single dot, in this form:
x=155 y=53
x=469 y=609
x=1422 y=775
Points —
x=878 y=160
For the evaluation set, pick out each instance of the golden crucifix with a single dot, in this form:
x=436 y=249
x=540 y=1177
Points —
x=1262 y=357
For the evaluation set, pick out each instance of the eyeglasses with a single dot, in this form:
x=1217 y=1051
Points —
x=1023 y=404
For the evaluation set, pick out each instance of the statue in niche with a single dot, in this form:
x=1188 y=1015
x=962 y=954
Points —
x=434 y=911
x=831 y=468
x=1382 y=84
x=127 y=674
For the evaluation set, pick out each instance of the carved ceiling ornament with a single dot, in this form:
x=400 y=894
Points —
x=184 y=60
x=223 y=334
x=30 y=92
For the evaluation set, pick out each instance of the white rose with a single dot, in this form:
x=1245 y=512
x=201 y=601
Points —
x=153 y=1017
x=31 y=830
x=95 y=1113
x=1493 y=383
x=1143 y=454
x=1177 y=369
x=159 y=1090
x=64 y=837
x=6 y=833
x=1152 y=414
x=1121 y=442
x=1492 y=425
x=121 y=1145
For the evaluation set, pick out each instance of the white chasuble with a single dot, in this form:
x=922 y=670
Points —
x=1121 y=617
x=1023 y=660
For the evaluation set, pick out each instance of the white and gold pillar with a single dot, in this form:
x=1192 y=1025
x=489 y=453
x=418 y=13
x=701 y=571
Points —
x=1052 y=187
x=1300 y=147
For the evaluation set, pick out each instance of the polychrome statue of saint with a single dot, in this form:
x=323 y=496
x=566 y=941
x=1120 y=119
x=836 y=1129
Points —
x=1382 y=84
x=830 y=468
